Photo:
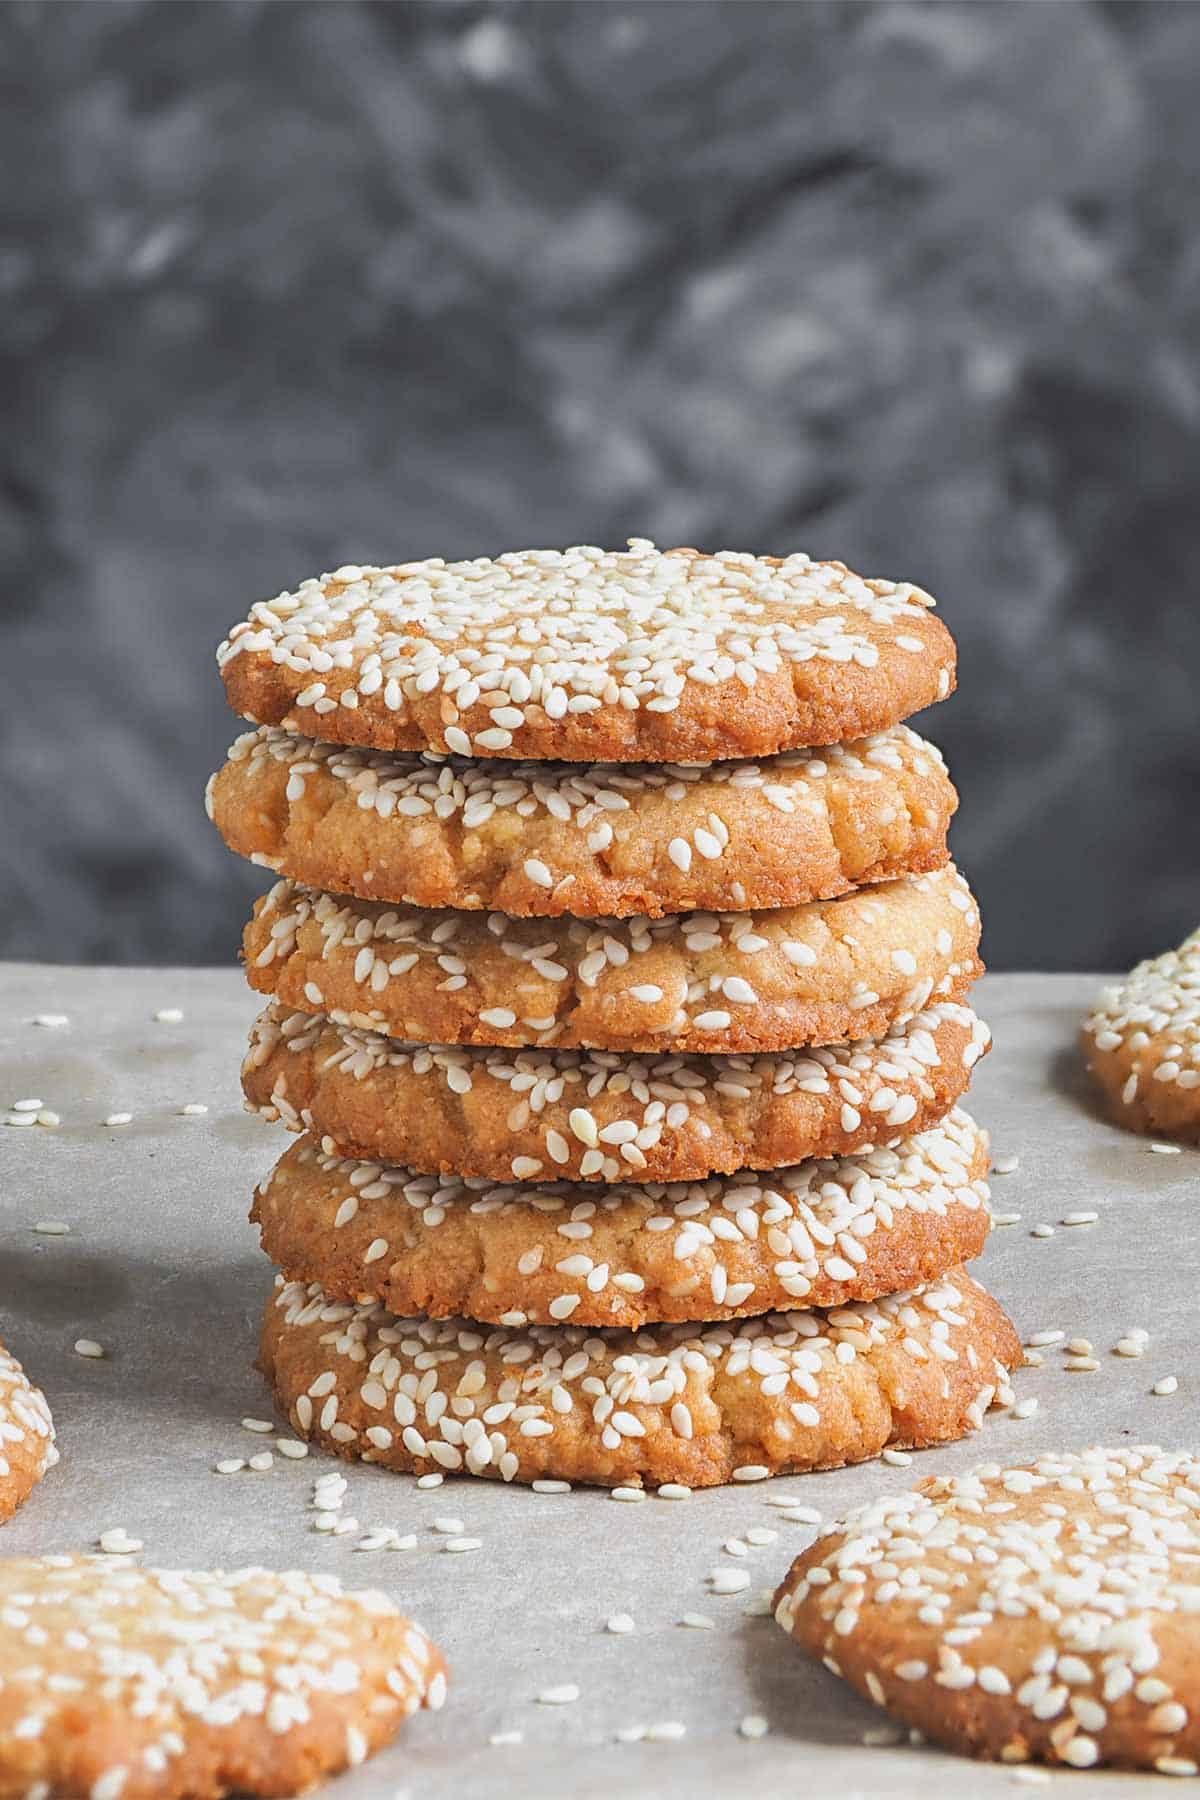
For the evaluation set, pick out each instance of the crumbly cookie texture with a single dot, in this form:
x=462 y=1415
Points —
x=1045 y=1611
x=27 y=1447
x=699 y=1405
x=542 y=839
x=524 y=1115
x=591 y=655
x=1142 y=1045
x=817 y=1234
x=711 y=982
x=123 y=1683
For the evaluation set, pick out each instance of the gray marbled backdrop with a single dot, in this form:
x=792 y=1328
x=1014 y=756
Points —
x=286 y=285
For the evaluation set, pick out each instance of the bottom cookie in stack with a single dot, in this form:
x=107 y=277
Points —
x=697 y=1405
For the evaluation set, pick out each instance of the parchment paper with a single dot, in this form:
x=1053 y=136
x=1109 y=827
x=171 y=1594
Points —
x=163 y=1270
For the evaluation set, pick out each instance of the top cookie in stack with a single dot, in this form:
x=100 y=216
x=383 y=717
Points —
x=605 y=868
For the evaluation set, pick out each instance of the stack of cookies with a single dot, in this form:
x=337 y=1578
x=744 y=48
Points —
x=618 y=981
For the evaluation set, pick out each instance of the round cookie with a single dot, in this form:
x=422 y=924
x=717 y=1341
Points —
x=27 y=1447
x=118 y=1681
x=710 y=982
x=522 y=1115
x=1043 y=1612
x=817 y=1234
x=1143 y=1045
x=542 y=839
x=591 y=655
x=694 y=1404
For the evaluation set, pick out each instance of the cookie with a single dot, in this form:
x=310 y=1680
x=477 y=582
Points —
x=700 y=1405
x=1046 y=1611
x=1143 y=1045
x=591 y=655
x=816 y=1234
x=525 y=1115
x=711 y=982
x=122 y=1681
x=542 y=839
x=27 y=1447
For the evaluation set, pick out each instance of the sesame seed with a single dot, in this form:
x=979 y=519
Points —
x=117 y=1542
x=1165 y=1149
x=119 y=1118
x=52 y=1228
x=753 y=1725
x=1169 y=1384
x=562 y=1695
x=169 y=1015
x=88 y=1347
x=620 y=1624
x=1005 y=1165
x=694 y=1621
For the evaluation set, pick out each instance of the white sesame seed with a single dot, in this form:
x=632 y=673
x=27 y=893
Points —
x=169 y=1015
x=753 y=1725
x=119 y=1118
x=1169 y=1384
x=88 y=1347
x=620 y=1624
x=1165 y=1149
x=1005 y=1165
x=562 y=1695
x=117 y=1542
x=52 y=1228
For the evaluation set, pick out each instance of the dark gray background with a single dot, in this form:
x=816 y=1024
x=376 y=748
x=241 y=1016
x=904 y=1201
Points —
x=285 y=285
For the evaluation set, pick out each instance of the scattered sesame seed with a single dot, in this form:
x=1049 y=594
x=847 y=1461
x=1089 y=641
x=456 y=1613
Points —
x=430 y=1481
x=52 y=1228
x=168 y=1015
x=1025 y=1409
x=1040 y=1340
x=263 y=1461
x=695 y=1621
x=195 y=1109
x=119 y=1118
x=292 y=1448
x=620 y=1624
x=51 y=1021
x=117 y=1542
x=1169 y=1384
x=674 y=1490
x=629 y=1494
x=1009 y=1218
x=263 y=1426
x=753 y=1725
x=562 y=1695
x=499 y=1738
x=1042 y=1231
x=449 y=1527
x=89 y=1347
x=728 y=1581
x=230 y=1465
x=1080 y=1218
x=455 y=1546
x=1080 y=1346
x=1005 y=1165
x=1165 y=1149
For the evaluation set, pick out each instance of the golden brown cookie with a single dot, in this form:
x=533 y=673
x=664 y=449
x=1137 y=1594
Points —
x=592 y=655
x=694 y=1404
x=1043 y=1612
x=542 y=839
x=711 y=982
x=523 y=1115
x=27 y=1447
x=1142 y=1045
x=123 y=1683
x=817 y=1234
